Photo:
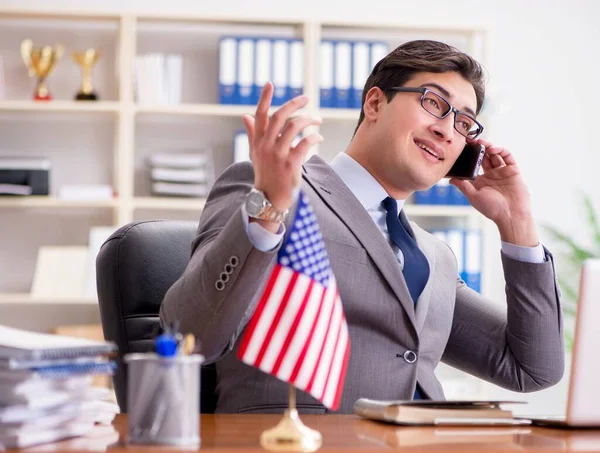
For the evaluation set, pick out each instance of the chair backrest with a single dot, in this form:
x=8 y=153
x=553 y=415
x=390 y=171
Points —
x=135 y=267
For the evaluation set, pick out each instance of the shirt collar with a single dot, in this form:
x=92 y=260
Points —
x=361 y=183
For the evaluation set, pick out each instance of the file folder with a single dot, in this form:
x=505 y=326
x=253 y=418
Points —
x=360 y=72
x=280 y=71
x=326 y=70
x=456 y=240
x=245 y=71
x=343 y=74
x=227 y=69
x=241 y=147
x=473 y=259
x=263 y=67
x=296 y=67
x=379 y=50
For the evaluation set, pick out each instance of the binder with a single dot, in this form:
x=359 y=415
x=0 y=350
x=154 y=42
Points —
x=296 y=67
x=342 y=74
x=424 y=197
x=360 y=72
x=241 y=147
x=456 y=241
x=326 y=71
x=245 y=71
x=441 y=193
x=281 y=50
x=18 y=344
x=473 y=259
x=263 y=66
x=457 y=197
x=227 y=69
x=379 y=49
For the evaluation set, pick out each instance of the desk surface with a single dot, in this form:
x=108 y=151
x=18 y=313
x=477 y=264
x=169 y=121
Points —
x=233 y=432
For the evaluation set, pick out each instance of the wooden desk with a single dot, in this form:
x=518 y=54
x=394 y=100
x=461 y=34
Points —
x=233 y=432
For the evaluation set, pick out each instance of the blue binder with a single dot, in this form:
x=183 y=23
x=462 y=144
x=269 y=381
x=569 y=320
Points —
x=326 y=73
x=281 y=66
x=227 y=69
x=245 y=70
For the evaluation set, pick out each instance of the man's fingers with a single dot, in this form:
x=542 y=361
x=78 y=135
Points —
x=293 y=128
x=249 y=124
x=298 y=152
x=262 y=110
x=279 y=118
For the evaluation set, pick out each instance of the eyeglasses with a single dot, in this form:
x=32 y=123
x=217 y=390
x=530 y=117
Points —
x=439 y=107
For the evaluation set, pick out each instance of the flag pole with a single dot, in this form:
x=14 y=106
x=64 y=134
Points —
x=291 y=435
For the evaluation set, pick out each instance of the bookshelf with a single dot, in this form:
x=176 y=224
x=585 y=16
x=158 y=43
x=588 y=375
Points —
x=107 y=141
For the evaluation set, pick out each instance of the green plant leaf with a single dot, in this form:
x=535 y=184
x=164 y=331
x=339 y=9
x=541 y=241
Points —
x=592 y=221
x=567 y=289
x=569 y=340
x=576 y=252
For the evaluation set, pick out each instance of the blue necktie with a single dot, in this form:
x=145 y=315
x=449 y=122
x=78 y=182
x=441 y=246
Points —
x=416 y=267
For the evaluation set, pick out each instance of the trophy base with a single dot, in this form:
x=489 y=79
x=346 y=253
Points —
x=86 y=97
x=42 y=97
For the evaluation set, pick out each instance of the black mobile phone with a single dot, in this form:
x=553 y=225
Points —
x=468 y=163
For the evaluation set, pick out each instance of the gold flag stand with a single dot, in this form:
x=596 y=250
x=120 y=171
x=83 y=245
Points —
x=291 y=435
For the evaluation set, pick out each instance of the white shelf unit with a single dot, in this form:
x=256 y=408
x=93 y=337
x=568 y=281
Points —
x=129 y=132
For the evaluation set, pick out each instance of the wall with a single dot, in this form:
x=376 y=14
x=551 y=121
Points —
x=542 y=82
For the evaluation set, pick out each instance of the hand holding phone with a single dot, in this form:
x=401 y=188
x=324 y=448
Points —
x=468 y=163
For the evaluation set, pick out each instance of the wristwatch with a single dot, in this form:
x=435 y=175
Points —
x=258 y=207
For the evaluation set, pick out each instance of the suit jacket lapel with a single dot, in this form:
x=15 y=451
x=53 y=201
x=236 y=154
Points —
x=344 y=204
x=428 y=249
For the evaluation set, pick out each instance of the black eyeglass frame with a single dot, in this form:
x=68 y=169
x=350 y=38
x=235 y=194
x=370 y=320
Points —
x=423 y=92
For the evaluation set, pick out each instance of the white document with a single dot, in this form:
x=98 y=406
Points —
x=60 y=272
x=98 y=235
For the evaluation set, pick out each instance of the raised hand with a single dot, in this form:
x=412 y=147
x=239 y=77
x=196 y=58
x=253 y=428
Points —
x=277 y=164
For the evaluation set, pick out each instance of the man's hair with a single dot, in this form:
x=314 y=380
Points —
x=412 y=57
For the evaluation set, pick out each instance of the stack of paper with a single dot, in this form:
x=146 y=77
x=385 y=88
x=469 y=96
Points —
x=182 y=174
x=45 y=387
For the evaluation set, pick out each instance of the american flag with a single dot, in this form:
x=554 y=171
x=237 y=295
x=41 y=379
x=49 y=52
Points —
x=298 y=332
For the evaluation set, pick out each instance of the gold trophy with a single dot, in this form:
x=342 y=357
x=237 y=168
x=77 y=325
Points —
x=40 y=63
x=86 y=60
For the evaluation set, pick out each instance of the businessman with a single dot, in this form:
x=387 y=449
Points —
x=405 y=307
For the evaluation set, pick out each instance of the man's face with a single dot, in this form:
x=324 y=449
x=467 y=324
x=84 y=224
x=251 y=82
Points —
x=403 y=129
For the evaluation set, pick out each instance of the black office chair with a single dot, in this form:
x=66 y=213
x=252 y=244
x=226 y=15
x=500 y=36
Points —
x=135 y=267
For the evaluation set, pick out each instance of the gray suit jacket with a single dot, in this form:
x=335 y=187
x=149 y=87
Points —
x=519 y=348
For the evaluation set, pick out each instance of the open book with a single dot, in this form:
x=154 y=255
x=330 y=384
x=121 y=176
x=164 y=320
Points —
x=427 y=412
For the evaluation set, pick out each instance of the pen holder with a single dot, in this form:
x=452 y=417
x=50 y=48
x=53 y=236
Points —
x=163 y=399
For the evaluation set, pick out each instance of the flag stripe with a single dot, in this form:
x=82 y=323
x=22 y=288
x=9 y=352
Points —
x=342 y=375
x=292 y=333
x=322 y=345
x=280 y=308
x=266 y=317
x=331 y=389
x=303 y=331
x=257 y=316
x=312 y=354
x=329 y=364
x=292 y=305
x=301 y=357
x=327 y=352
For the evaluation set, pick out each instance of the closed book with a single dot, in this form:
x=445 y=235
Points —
x=428 y=412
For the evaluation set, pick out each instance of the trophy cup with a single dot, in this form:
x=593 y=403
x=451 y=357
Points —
x=86 y=60
x=40 y=63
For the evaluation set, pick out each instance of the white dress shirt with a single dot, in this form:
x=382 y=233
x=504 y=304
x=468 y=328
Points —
x=370 y=194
